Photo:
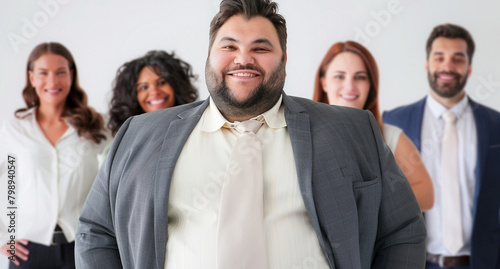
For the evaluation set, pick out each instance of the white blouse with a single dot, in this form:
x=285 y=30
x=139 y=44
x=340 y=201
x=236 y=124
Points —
x=50 y=183
x=391 y=136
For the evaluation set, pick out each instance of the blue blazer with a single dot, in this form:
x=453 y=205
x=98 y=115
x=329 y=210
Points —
x=485 y=242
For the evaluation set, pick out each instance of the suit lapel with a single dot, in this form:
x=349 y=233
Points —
x=414 y=124
x=176 y=135
x=481 y=120
x=300 y=135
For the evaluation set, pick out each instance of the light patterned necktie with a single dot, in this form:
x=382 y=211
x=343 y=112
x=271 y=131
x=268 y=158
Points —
x=451 y=202
x=241 y=240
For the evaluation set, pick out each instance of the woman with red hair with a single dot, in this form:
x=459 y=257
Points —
x=348 y=76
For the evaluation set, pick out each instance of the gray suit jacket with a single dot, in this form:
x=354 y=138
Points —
x=359 y=202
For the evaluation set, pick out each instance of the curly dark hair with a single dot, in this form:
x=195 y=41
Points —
x=87 y=122
x=124 y=103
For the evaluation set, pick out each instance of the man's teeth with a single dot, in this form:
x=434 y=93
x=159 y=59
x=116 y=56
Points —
x=244 y=75
x=446 y=77
x=157 y=102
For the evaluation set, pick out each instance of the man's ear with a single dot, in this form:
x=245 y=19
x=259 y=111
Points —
x=469 y=71
x=284 y=61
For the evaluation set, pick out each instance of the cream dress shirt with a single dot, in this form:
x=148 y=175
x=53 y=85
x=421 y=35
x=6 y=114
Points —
x=51 y=182
x=195 y=194
x=432 y=130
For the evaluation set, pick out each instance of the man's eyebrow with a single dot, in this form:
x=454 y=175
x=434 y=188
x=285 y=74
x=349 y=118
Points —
x=258 y=41
x=455 y=54
x=263 y=41
x=227 y=39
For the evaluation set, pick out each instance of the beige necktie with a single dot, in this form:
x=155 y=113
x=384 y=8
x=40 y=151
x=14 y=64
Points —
x=240 y=233
x=451 y=202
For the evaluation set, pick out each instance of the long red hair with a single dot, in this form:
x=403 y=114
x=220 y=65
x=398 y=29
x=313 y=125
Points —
x=371 y=103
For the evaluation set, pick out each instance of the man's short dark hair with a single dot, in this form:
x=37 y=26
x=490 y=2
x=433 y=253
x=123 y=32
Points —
x=451 y=31
x=249 y=9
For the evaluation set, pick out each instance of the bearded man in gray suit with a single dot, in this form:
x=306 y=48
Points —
x=333 y=196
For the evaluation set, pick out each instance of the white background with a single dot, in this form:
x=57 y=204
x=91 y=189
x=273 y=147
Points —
x=103 y=34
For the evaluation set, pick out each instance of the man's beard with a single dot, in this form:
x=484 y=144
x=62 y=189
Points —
x=262 y=98
x=447 y=90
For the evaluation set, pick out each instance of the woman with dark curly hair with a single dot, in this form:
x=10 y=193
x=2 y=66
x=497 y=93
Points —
x=155 y=81
x=50 y=148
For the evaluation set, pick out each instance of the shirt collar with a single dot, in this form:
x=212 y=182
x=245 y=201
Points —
x=32 y=112
x=438 y=109
x=212 y=120
x=23 y=114
x=275 y=117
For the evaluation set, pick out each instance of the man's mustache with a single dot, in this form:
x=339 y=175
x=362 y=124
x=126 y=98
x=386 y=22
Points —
x=244 y=67
x=456 y=75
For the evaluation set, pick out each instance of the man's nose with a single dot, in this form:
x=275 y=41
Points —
x=448 y=66
x=244 y=58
